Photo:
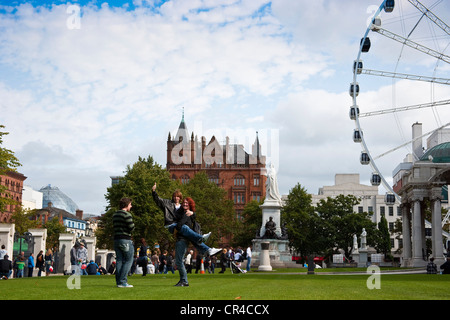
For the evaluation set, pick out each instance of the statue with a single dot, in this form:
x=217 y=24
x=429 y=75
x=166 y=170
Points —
x=355 y=243
x=363 y=238
x=270 y=230
x=272 y=192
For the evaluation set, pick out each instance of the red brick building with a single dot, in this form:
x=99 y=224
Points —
x=14 y=184
x=241 y=174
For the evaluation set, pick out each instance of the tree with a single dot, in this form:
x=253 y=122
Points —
x=214 y=211
x=341 y=222
x=298 y=218
x=383 y=243
x=137 y=184
x=250 y=225
x=23 y=220
x=8 y=162
x=54 y=229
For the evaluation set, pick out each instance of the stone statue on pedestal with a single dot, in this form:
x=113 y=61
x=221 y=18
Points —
x=272 y=192
x=363 y=239
x=270 y=230
x=355 y=244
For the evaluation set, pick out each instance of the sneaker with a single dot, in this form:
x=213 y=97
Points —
x=126 y=285
x=213 y=251
x=206 y=236
x=182 y=284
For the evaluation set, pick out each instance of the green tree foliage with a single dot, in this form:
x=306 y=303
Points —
x=213 y=211
x=342 y=222
x=298 y=219
x=8 y=162
x=23 y=220
x=54 y=229
x=137 y=184
x=250 y=225
x=327 y=227
x=383 y=241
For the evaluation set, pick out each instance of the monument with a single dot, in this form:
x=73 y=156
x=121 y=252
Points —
x=271 y=240
x=360 y=255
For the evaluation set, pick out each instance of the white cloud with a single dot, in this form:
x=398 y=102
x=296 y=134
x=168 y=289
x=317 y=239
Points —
x=104 y=94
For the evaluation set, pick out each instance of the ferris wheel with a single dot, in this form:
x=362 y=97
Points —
x=404 y=79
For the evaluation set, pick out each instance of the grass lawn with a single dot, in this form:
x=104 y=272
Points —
x=250 y=286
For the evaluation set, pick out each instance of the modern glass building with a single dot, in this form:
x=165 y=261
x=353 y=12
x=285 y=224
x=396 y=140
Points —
x=58 y=199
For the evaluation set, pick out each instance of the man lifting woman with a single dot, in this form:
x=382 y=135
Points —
x=179 y=214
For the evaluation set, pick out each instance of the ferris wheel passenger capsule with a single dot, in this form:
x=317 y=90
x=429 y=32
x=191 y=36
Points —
x=354 y=87
x=354 y=111
x=364 y=159
x=358 y=66
x=357 y=135
x=389 y=5
x=365 y=42
x=376 y=24
x=375 y=180
x=389 y=199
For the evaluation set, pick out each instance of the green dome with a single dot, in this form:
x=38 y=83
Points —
x=439 y=153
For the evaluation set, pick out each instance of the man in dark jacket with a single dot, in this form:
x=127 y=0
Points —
x=5 y=267
x=169 y=207
x=123 y=245
x=446 y=266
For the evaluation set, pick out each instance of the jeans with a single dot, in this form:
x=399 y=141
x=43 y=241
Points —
x=124 y=259
x=180 y=251
x=249 y=262
x=193 y=236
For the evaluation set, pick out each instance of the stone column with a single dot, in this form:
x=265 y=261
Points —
x=40 y=238
x=66 y=242
x=436 y=221
x=101 y=257
x=7 y=231
x=417 y=234
x=91 y=242
x=264 y=257
x=406 y=230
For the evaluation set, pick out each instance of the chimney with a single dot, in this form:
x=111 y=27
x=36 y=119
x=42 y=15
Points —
x=79 y=214
x=417 y=147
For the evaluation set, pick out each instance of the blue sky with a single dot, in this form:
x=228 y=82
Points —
x=85 y=92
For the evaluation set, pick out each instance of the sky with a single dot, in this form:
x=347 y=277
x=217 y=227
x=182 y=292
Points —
x=87 y=87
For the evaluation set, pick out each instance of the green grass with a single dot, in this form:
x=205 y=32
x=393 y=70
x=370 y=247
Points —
x=251 y=286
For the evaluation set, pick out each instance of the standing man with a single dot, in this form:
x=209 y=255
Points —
x=123 y=226
x=249 y=257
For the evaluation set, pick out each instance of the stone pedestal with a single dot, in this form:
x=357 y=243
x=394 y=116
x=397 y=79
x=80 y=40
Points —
x=279 y=254
x=362 y=258
x=270 y=208
x=264 y=259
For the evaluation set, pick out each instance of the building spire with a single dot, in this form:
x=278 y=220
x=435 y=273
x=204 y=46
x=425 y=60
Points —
x=182 y=115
